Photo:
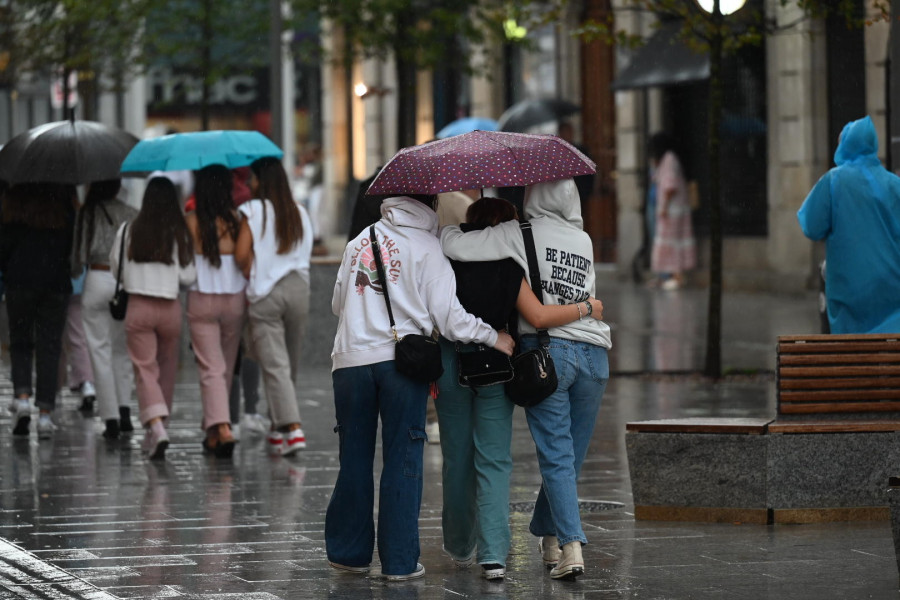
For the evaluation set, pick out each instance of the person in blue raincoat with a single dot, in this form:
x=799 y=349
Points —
x=855 y=209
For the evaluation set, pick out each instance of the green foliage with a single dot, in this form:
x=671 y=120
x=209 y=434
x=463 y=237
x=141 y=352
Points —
x=97 y=37
x=418 y=32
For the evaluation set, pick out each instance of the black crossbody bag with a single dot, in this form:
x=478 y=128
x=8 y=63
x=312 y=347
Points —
x=534 y=374
x=118 y=305
x=416 y=356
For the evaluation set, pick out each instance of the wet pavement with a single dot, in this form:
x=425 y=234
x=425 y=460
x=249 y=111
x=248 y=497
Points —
x=84 y=518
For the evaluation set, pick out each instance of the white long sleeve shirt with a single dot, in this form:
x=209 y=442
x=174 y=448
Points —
x=422 y=289
x=152 y=278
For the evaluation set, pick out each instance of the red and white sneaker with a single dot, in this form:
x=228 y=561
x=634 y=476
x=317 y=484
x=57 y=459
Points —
x=275 y=441
x=293 y=440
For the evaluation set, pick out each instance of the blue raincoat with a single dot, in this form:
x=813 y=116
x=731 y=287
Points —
x=855 y=208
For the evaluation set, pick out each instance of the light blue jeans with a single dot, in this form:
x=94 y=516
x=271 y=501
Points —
x=476 y=431
x=561 y=427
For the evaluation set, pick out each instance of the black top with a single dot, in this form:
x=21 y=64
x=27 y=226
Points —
x=35 y=259
x=489 y=290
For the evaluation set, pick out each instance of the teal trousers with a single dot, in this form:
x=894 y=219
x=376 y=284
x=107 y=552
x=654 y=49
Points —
x=476 y=431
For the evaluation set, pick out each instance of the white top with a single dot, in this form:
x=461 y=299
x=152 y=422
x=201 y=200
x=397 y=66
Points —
x=269 y=267
x=226 y=279
x=150 y=279
x=422 y=289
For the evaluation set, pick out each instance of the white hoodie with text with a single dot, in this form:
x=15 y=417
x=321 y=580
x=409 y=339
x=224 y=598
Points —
x=422 y=288
x=564 y=252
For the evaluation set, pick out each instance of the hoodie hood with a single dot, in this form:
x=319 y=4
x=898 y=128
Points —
x=858 y=143
x=403 y=211
x=557 y=200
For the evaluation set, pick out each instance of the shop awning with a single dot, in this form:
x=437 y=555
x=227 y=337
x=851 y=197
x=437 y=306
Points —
x=663 y=60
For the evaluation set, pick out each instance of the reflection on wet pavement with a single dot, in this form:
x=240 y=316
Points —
x=251 y=528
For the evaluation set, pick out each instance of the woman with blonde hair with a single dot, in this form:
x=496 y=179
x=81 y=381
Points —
x=273 y=250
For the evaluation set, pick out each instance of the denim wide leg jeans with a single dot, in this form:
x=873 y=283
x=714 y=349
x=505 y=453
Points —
x=476 y=431
x=362 y=395
x=561 y=427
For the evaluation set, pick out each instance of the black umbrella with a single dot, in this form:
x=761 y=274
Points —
x=69 y=152
x=526 y=114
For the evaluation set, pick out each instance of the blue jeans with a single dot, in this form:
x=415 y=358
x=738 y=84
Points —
x=361 y=396
x=476 y=431
x=561 y=427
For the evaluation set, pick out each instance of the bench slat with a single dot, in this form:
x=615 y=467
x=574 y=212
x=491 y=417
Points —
x=797 y=408
x=833 y=426
x=836 y=337
x=837 y=347
x=839 y=359
x=842 y=371
x=824 y=383
x=839 y=395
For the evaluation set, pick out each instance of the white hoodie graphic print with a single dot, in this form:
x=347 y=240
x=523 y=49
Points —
x=564 y=252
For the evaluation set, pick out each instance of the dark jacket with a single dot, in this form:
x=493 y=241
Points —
x=35 y=259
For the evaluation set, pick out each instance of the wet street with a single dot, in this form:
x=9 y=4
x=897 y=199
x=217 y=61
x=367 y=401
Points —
x=81 y=517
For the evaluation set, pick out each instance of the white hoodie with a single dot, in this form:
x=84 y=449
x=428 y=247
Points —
x=422 y=289
x=564 y=252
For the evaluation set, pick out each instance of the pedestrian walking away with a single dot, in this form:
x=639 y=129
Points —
x=368 y=387
x=273 y=250
x=35 y=245
x=854 y=209
x=477 y=421
x=157 y=261
x=561 y=425
x=99 y=220
x=216 y=302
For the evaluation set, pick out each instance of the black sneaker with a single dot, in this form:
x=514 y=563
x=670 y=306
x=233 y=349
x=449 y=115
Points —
x=125 y=425
x=112 y=429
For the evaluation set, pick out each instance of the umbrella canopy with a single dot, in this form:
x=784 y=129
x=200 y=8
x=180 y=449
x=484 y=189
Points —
x=526 y=114
x=195 y=150
x=70 y=152
x=465 y=125
x=478 y=160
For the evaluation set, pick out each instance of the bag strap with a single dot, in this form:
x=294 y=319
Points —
x=534 y=274
x=121 y=257
x=376 y=250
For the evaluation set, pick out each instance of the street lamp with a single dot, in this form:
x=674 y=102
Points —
x=716 y=9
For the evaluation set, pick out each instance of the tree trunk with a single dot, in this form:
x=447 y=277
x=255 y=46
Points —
x=406 y=102
x=714 y=317
x=206 y=63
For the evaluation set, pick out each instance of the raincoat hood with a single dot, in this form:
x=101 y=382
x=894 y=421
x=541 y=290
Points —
x=403 y=211
x=557 y=200
x=858 y=143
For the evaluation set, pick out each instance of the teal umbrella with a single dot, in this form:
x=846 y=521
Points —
x=195 y=150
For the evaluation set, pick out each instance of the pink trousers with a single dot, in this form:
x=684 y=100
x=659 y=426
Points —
x=216 y=322
x=152 y=330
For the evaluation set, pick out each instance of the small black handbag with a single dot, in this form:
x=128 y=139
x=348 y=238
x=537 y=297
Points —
x=416 y=356
x=118 y=305
x=534 y=375
x=480 y=366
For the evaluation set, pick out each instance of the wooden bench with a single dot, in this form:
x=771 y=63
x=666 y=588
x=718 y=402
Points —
x=838 y=383
x=825 y=456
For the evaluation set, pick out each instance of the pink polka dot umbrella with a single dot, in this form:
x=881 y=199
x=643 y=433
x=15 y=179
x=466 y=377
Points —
x=480 y=159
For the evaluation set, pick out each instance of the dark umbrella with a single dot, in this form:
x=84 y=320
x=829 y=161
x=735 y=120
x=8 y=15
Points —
x=526 y=114
x=480 y=159
x=70 y=152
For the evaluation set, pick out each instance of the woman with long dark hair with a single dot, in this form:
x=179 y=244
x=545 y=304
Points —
x=99 y=219
x=159 y=259
x=273 y=249
x=216 y=302
x=35 y=244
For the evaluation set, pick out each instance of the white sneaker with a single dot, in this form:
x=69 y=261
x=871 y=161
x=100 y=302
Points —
x=45 y=427
x=21 y=408
x=236 y=432
x=293 y=440
x=419 y=572
x=87 y=389
x=255 y=424
x=275 y=442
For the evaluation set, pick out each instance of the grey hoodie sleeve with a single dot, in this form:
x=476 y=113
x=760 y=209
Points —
x=490 y=243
